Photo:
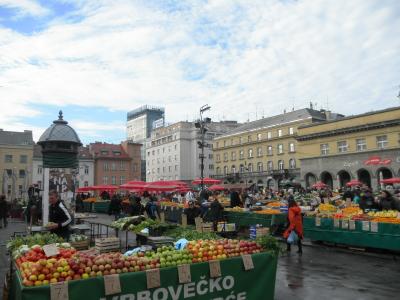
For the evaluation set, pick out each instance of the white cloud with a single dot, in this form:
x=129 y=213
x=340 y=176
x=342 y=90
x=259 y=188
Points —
x=25 y=7
x=236 y=56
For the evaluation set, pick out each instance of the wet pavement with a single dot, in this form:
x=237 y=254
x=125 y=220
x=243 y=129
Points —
x=329 y=273
x=320 y=273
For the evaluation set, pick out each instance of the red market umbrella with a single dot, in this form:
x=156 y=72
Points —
x=319 y=185
x=104 y=188
x=85 y=189
x=206 y=180
x=354 y=182
x=390 y=180
x=161 y=186
x=135 y=185
x=216 y=187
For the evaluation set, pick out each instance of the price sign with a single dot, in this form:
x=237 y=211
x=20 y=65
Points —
x=365 y=225
x=318 y=222
x=162 y=217
x=153 y=278
x=50 y=250
x=336 y=223
x=348 y=202
x=215 y=268
x=184 y=220
x=199 y=224
x=247 y=262
x=352 y=225
x=112 y=284
x=172 y=208
x=374 y=226
x=184 y=273
x=59 y=291
x=345 y=224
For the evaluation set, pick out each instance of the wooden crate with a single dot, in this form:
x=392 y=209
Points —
x=81 y=245
x=109 y=244
x=207 y=227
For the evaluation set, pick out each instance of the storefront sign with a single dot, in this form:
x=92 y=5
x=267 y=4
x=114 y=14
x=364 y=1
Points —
x=377 y=160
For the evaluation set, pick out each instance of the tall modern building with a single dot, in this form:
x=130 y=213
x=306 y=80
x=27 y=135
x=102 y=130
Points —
x=172 y=152
x=140 y=123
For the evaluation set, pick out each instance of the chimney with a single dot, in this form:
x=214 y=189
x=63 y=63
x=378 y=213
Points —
x=328 y=115
x=311 y=105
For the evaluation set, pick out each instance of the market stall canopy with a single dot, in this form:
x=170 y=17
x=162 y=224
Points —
x=161 y=186
x=319 y=185
x=207 y=181
x=104 y=188
x=85 y=189
x=133 y=185
x=216 y=187
x=391 y=180
x=354 y=182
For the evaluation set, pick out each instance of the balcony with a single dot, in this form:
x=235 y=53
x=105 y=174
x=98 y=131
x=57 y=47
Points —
x=272 y=173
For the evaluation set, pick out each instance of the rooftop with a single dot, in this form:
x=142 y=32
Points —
x=83 y=152
x=16 y=138
x=105 y=150
x=143 y=109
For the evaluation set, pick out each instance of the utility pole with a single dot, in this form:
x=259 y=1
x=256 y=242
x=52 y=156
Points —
x=201 y=125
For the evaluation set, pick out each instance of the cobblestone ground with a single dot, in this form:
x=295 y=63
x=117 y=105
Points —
x=320 y=273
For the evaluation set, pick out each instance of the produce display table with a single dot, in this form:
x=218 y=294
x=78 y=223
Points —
x=234 y=283
x=359 y=234
x=98 y=207
x=250 y=218
x=172 y=214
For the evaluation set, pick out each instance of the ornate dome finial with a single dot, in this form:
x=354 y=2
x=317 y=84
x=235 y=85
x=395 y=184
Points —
x=60 y=115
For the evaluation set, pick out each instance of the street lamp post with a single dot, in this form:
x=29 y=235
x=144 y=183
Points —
x=201 y=125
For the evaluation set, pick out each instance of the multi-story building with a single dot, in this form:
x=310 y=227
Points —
x=140 y=123
x=264 y=151
x=115 y=164
x=364 y=147
x=173 y=153
x=84 y=172
x=16 y=151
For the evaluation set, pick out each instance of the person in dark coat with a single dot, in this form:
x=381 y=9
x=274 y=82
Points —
x=388 y=202
x=137 y=208
x=151 y=208
x=216 y=212
x=115 y=207
x=367 y=201
x=59 y=215
x=3 y=211
x=235 y=199
x=192 y=212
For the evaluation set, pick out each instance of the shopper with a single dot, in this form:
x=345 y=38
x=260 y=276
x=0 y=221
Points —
x=115 y=207
x=137 y=208
x=3 y=211
x=235 y=199
x=295 y=223
x=367 y=201
x=388 y=202
x=59 y=215
x=216 y=212
x=192 y=212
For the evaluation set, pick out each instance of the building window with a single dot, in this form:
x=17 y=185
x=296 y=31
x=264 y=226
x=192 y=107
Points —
x=8 y=158
x=148 y=153
x=163 y=169
x=23 y=159
x=211 y=167
x=249 y=138
x=224 y=143
x=175 y=146
x=40 y=170
x=9 y=172
x=225 y=156
x=291 y=131
x=270 y=166
x=122 y=166
x=233 y=155
x=280 y=165
x=269 y=150
x=269 y=135
x=113 y=180
x=225 y=170
x=176 y=157
x=117 y=153
x=122 y=179
x=218 y=157
x=292 y=163
x=241 y=154
x=259 y=136
x=342 y=146
x=241 y=169
x=291 y=147
x=279 y=132
x=176 y=167
x=104 y=152
x=169 y=158
x=259 y=152
x=113 y=166
x=158 y=170
x=85 y=183
x=216 y=144
x=250 y=167
x=240 y=140
x=250 y=153
x=105 y=166
x=21 y=173
x=233 y=169
x=169 y=169
x=260 y=167
x=280 y=148
x=105 y=179
x=381 y=141
x=324 y=149
x=218 y=171
x=86 y=170
x=361 y=144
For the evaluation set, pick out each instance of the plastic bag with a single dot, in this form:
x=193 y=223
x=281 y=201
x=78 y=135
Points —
x=293 y=237
x=181 y=244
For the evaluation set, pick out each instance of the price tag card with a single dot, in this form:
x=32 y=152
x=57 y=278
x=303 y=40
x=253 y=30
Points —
x=215 y=268
x=365 y=225
x=51 y=250
x=112 y=284
x=336 y=223
x=348 y=202
x=345 y=224
x=352 y=225
x=374 y=226
x=247 y=262
x=172 y=208
x=318 y=222
x=153 y=278
x=184 y=273
x=162 y=217
x=184 y=220
x=59 y=291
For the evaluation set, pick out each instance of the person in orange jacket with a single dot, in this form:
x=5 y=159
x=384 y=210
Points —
x=295 y=223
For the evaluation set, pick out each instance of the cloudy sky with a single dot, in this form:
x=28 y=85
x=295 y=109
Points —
x=98 y=59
